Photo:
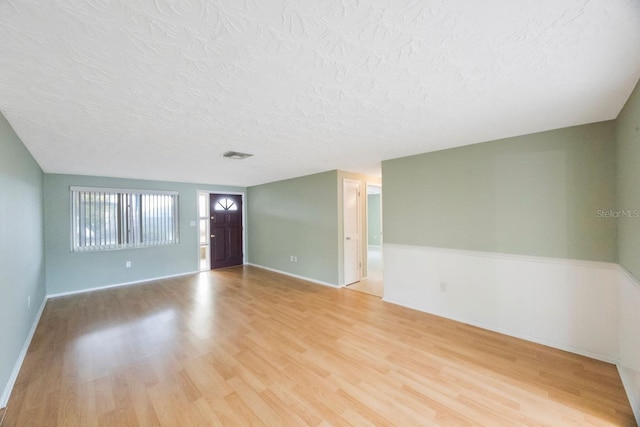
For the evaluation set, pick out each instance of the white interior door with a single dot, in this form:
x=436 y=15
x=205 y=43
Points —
x=351 y=203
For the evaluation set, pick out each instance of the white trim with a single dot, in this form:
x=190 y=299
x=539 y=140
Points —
x=23 y=353
x=628 y=275
x=500 y=255
x=510 y=333
x=117 y=285
x=308 y=279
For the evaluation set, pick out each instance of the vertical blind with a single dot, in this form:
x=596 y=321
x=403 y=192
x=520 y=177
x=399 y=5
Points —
x=104 y=219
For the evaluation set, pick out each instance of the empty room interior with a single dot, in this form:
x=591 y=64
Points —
x=419 y=212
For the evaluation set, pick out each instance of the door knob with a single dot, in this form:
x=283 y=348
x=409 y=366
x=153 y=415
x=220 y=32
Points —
x=213 y=235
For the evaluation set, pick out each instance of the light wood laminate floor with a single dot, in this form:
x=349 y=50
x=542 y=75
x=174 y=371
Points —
x=374 y=283
x=246 y=346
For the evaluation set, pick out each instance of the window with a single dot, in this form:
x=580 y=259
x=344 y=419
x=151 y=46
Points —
x=104 y=219
x=226 y=205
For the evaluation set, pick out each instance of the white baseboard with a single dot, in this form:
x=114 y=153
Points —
x=537 y=340
x=16 y=369
x=117 y=285
x=286 y=273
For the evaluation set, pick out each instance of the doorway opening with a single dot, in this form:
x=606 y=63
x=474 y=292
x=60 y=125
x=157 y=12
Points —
x=220 y=230
x=352 y=239
x=373 y=282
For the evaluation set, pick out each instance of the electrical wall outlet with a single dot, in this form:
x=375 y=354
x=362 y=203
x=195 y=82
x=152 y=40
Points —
x=28 y=302
x=127 y=264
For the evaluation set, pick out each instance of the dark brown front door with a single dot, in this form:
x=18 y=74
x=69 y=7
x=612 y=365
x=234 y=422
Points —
x=226 y=230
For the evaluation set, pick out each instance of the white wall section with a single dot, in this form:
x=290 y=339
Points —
x=629 y=338
x=566 y=304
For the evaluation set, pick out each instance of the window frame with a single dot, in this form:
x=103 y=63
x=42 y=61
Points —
x=206 y=219
x=76 y=221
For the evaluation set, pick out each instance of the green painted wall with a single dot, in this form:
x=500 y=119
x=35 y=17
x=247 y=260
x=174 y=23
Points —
x=296 y=217
x=534 y=195
x=628 y=183
x=68 y=271
x=374 y=219
x=22 y=259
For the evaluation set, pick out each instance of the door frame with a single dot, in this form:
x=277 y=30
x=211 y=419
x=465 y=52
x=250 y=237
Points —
x=345 y=181
x=368 y=184
x=379 y=186
x=244 y=224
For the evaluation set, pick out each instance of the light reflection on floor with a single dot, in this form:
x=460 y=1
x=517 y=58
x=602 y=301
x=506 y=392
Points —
x=374 y=283
x=114 y=343
x=200 y=319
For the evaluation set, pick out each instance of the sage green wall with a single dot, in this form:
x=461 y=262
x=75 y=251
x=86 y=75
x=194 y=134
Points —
x=22 y=260
x=374 y=218
x=296 y=217
x=68 y=271
x=536 y=194
x=628 y=183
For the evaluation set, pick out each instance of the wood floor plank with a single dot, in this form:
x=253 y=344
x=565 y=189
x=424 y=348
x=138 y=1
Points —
x=246 y=346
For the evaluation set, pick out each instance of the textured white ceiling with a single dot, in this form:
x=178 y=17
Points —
x=158 y=89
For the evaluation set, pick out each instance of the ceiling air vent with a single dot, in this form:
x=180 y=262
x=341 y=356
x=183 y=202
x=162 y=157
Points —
x=235 y=155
